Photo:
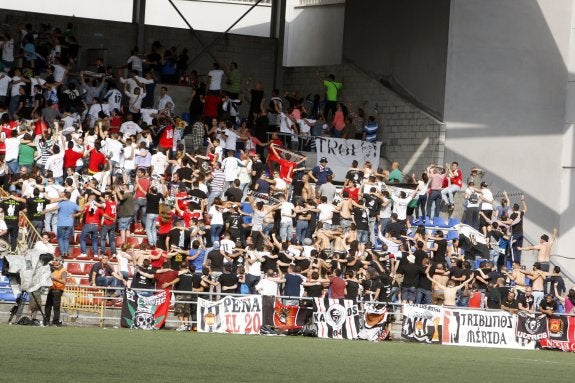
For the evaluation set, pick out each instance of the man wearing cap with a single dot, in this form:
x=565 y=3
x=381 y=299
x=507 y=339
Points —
x=319 y=173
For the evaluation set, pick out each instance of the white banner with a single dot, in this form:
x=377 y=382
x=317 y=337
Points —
x=482 y=329
x=232 y=315
x=422 y=323
x=336 y=318
x=340 y=153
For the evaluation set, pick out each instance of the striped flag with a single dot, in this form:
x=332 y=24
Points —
x=209 y=318
x=336 y=318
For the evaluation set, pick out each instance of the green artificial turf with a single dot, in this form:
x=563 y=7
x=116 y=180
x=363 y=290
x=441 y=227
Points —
x=73 y=354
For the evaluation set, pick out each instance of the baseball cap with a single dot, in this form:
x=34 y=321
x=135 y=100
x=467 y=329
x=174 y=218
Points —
x=323 y=159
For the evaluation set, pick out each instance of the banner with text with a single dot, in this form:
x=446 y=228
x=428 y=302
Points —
x=340 y=153
x=232 y=315
x=336 y=318
x=482 y=329
x=561 y=334
x=531 y=326
x=422 y=323
x=146 y=313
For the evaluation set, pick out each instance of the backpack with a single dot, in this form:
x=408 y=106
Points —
x=473 y=198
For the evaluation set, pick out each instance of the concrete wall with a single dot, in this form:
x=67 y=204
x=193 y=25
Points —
x=405 y=40
x=505 y=100
x=409 y=135
x=254 y=55
x=313 y=35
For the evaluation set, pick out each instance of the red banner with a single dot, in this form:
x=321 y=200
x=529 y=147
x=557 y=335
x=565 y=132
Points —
x=285 y=316
x=561 y=334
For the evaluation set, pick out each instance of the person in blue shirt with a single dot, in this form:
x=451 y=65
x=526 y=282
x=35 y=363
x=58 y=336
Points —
x=319 y=173
x=370 y=130
x=66 y=214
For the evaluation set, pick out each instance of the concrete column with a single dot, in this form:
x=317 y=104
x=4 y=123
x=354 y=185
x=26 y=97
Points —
x=277 y=32
x=139 y=17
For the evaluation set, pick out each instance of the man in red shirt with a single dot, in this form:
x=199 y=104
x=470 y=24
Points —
x=141 y=188
x=455 y=182
x=92 y=217
x=109 y=223
x=337 y=285
x=287 y=167
x=352 y=191
x=167 y=137
x=71 y=156
x=96 y=158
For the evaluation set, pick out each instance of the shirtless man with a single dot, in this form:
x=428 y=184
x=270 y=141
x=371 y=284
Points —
x=537 y=277
x=345 y=208
x=439 y=282
x=449 y=291
x=517 y=276
x=544 y=249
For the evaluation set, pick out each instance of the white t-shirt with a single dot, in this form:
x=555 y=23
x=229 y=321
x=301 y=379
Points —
x=286 y=210
x=15 y=91
x=129 y=128
x=325 y=212
x=216 y=79
x=12 y=145
x=163 y=102
x=230 y=166
x=147 y=115
x=232 y=138
x=486 y=193
x=114 y=147
x=400 y=206
x=129 y=162
x=216 y=216
x=55 y=163
x=468 y=193
x=114 y=97
x=159 y=164
x=280 y=184
x=4 y=82
x=59 y=72
x=227 y=245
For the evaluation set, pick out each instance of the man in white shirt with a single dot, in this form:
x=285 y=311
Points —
x=165 y=103
x=113 y=96
x=55 y=163
x=215 y=79
x=114 y=149
x=159 y=163
x=325 y=212
x=4 y=82
x=286 y=221
x=11 y=157
x=231 y=168
x=129 y=128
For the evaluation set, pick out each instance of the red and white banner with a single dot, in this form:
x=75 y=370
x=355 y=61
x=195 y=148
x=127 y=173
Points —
x=561 y=331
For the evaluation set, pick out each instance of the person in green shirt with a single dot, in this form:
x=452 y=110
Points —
x=234 y=83
x=26 y=151
x=332 y=89
x=395 y=174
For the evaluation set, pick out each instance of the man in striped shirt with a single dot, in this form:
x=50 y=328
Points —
x=216 y=184
x=370 y=130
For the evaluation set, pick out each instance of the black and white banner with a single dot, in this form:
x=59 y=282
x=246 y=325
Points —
x=422 y=323
x=482 y=329
x=340 y=153
x=336 y=318
x=531 y=326
x=232 y=315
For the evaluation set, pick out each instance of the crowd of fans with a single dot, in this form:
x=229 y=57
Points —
x=234 y=211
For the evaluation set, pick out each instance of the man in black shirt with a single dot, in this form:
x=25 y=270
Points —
x=12 y=207
x=411 y=273
x=234 y=193
x=354 y=174
x=228 y=280
x=34 y=208
x=234 y=225
x=516 y=222
x=548 y=306
x=184 y=289
x=423 y=284
x=144 y=278
x=153 y=199
x=509 y=304
x=373 y=203
x=527 y=301
x=361 y=220
x=198 y=197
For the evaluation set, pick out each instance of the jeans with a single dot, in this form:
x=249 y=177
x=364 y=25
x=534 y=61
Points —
x=13 y=167
x=383 y=222
x=91 y=230
x=448 y=194
x=251 y=282
x=107 y=281
x=13 y=236
x=216 y=232
x=267 y=228
x=372 y=235
x=151 y=231
x=409 y=294
x=421 y=210
x=110 y=232
x=140 y=206
x=434 y=196
x=301 y=230
x=53 y=301
x=362 y=236
x=471 y=217
x=423 y=297
x=64 y=233
x=286 y=230
x=516 y=241
x=39 y=226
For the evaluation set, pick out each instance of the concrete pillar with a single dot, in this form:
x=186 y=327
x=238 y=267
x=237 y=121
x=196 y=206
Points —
x=139 y=17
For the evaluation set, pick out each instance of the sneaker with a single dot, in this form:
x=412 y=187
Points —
x=181 y=328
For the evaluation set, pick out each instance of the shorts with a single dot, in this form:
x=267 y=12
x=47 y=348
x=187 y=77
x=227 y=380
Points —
x=182 y=309
x=35 y=301
x=437 y=298
x=124 y=223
